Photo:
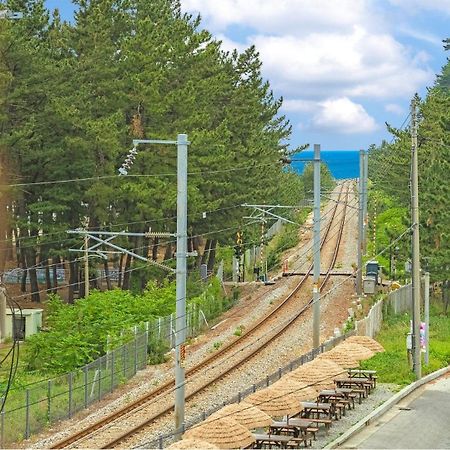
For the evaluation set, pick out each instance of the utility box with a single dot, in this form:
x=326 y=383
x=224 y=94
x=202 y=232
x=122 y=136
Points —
x=372 y=268
x=369 y=285
x=20 y=325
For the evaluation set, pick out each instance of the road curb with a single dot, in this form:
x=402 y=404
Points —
x=385 y=407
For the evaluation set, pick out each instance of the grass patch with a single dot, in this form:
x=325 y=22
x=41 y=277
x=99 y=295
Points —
x=392 y=366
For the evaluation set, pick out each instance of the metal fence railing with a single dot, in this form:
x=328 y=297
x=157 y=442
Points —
x=165 y=439
x=30 y=408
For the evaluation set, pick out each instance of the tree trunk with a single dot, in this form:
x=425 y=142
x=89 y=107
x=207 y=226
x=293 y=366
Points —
x=126 y=274
x=205 y=255
x=55 y=262
x=155 y=249
x=30 y=259
x=23 y=264
x=73 y=280
x=48 y=280
x=169 y=252
x=119 y=281
x=107 y=278
x=212 y=255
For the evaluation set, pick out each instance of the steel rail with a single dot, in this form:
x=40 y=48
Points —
x=169 y=385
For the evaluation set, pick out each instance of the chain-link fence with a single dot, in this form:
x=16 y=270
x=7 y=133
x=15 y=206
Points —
x=30 y=408
x=165 y=439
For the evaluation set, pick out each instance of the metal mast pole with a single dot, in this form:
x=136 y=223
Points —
x=181 y=255
x=316 y=248
x=360 y=223
x=427 y=316
x=415 y=243
x=365 y=198
x=86 y=265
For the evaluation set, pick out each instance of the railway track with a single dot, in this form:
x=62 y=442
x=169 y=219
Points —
x=111 y=423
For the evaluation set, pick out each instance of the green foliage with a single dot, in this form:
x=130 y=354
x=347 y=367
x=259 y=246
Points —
x=389 y=170
x=76 y=94
x=78 y=334
x=392 y=365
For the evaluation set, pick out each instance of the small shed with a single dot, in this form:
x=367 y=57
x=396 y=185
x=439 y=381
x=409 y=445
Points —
x=23 y=323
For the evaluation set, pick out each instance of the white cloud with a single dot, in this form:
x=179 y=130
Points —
x=341 y=115
x=394 y=108
x=281 y=16
x=354 y=63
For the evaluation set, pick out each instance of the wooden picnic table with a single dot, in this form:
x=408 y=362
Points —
x=355 y=383
x=316 y=409
x=337 y=396
x=364 y=373
x=278 y=440
x=296 y=427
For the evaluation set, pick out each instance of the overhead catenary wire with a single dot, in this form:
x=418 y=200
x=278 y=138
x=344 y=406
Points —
x=123 y=177
x=329 y=238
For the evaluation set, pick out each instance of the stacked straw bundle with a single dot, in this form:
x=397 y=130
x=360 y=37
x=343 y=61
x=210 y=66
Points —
x=341 y=357
x=221 y=432
x=367 y=342
x=357 y=351
x=274 y=403
x=291 y=387
x=246 y=414
x=319 y=374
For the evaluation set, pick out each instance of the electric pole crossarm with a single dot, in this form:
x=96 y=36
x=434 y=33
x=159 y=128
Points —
x=266 y=209
x=123 y=233
x=123 y=250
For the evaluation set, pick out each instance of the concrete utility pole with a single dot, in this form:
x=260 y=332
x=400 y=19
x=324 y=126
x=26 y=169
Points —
x=360 y=223
x=427 y=316
x=316 y=249
x=2 y=314
x=181 y=256
x=180 y=323
x=417 y=363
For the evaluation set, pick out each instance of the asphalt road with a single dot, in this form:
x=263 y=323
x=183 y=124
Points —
x=421 y=420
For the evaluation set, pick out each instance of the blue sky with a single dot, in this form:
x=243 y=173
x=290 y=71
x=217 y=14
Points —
x=343 y=67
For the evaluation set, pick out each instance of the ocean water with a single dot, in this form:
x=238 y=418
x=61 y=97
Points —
x=342 y=164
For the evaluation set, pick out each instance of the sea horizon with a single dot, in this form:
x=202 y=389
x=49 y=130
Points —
x=342 y=163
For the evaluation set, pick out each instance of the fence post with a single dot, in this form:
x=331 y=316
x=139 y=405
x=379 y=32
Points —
x=147 y=332
x=279 y=372
x=135 y=349
x=124 y=360
x=159 y=328
x=112 y=370
x=171 y=330
x=100 y=380
x=2 y=425
x=27 y=414
x=49 y=401
x=86 y=380
x=70 y=393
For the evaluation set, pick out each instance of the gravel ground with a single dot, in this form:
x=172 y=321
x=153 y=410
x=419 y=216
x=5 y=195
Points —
x=291 y=345
x=379 y=395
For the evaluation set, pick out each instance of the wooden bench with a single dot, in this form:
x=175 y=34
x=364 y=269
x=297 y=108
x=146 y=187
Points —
x=326 y=422
x=298 y=441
